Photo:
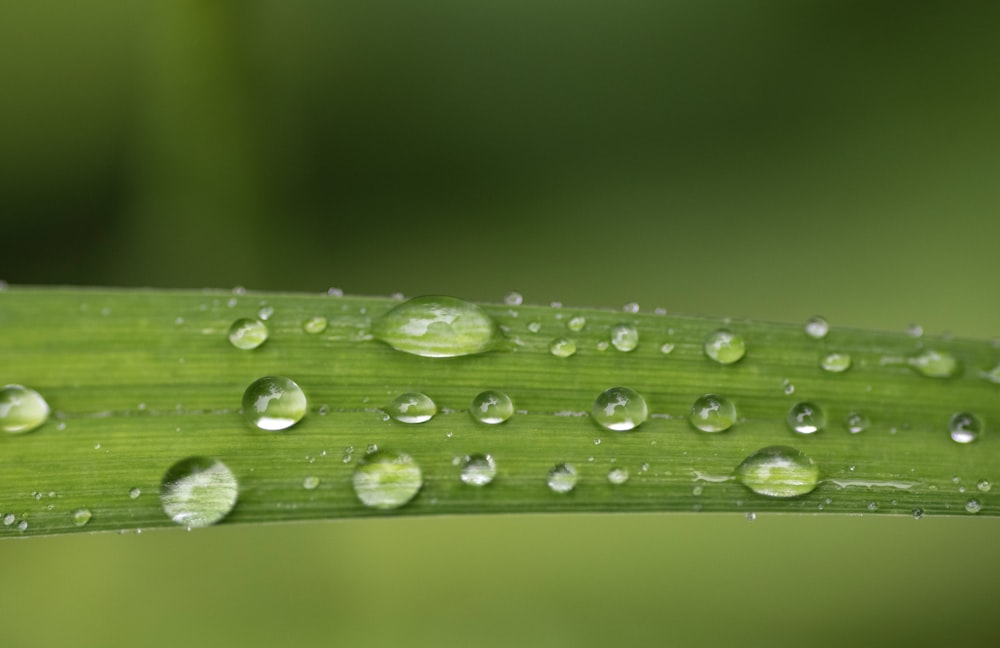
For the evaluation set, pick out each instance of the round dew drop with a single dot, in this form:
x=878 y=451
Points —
x=973 y=506
x=478 y=470
x=778 y=471
x=562 y=347
x=856 y=422
x=562 y=478
x=491 y=407
x=81 y=517
x=712 y=413
x=817 y=327
x=21 y=409
x=620 y=409
x=384 y=481
x=965 y=427
x=835 y=362
x=576 y=323
x=806 y=418
x=274 y=403
x=618 y=476
x=310 y=483
x=412 y=407
x=624 y=337
x=437 y=327
x=725 y=347
x=315 y=325
x=198 y=492
x=247 y=333
x=935 y=364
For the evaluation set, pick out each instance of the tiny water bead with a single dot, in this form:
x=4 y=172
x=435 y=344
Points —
x=624 y=337
x=806 y=418
x=310 y=483
x=562 y=478
x=135 y=493
x=856 y=422
x=817 y=327
x=712 y=413
x=315 y=325
x=836 y=362
x=478 y=470
x=247 y=333
x=725 y=347
x=386 y=481
x=778 y=471
x=491 y=407
x=412 y=407
x=562 y=347
x=935 y=364
x=81 y=517
x=965 y=427
x=973 y=506
x=513 y=299
x=667 y=348
x=274 y=403
x=618 y=476
x=437 y=327
x=576 y=323
x=198 y=491
x=21 y=409
x=620 y=409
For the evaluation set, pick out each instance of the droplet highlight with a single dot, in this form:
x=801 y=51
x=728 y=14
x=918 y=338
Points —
x=806 y=418
x=247 y=333
x=712 y=413
x=21 y=409
x=478 y=470
x=620 y=409
x=562 y=478
x=778 y=471
x=725 y=347
x=437 y=327
x=491 y=407
x=274 y=403
x=198 y=492
x=412 y=407
x=965 y=427
x=385 y=481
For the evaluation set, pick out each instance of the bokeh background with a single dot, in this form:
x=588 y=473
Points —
x=745 y=158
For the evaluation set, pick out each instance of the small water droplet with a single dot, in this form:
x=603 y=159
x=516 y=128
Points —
x=576 y=323
x=873 y=506
x=965 y=427
x=22 y=526
x=135 y=493
x=917 y=513
x=620 y=409
x=562 y=347
x=81 y=517
x=437 y=327
x=274 y=403
x=788 y=387
x=624 y=337
x=265 y=312
x=618 y=476
x=491 y=407
x=667 y=348
x=725 y=347
x=534 y=327
x=21 y=409
x=478 y=470
x=513 y=299
x=778 y=471
x=198 y=491
x=562 y=478
x=9 y=519
x=631 y=307
x=915 y=330
x=973 y=506
x=712 y=413
x=935 y=364
x=806 y=418
x=412 y=407
x=835 y=362
x=315 y=325
x=817 y=327
x=856 y=422
x=385 y=481
x=751 y=516
x=246 y=333
x=984 y=486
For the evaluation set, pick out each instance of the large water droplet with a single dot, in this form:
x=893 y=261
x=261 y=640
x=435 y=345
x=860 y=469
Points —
x=562 y=347
x=385 y=481
x=491 y=407
x=817 y=327
x=562 y=478
x=247 y=333
x=198 y=491
x=412 y=407
x=935 y=364
x=81 y=517
x=806 y=418
x=478 y=470
x=624 y=337
x=315 y=325
x=965 y=427
x=836 y=362
x=725 y=347
x=778 y=471
x=437 y=327
x=712 y=413
x=274 y=403
x=620 y=409
x=21 y=409
x=618 y=476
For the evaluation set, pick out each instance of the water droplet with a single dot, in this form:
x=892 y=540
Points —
x=618 y=476
x=624 y=337
x=9 y=519
x=751 y=516
x=788 y=387
x=412 y=407
x=835 y=362
x=667 y=348
x=198 y=491
x=478 y=470
x=725 y=347
x=915 y=330
x=917 y=513
x=265 y=312
x=274 y=403
x=21 y=409
x=513 y=299
x=310 y=483
x=806 y=418
x=817 y=327
x=873 y=506
x=576 y=323
x=315 y=325
x=81 y=517
x=562 y=478
x=22 y=526
x=620 y=409
x=247 y=333
x=631 y=307
x=491 y=407
x=437 y=327
x=856 y=422
x=935 y=364
x=712 y=413
x=965 y=427
x=778 y=471
x=973 y=506
x=135 y=493
x=562 y=348
x=984 y=486
x=385 y=481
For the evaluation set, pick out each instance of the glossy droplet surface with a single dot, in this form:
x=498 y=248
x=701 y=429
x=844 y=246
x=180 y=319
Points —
x=491 y=407
x=310 y=483
x=248 y=333
x=620 y=409
x=562 y=478
x=618 y=476
x=973 y=506
x=21 y=409
x=478 y=470
x=562 y=347
x=712 y=413
x=725 y=347
x=198 y=491
x=935 y=364
x=624 y=337
x=81 y=517
x=576 y=323
x=315 y=325
x=965 y=427
x=817 y=327
x=386 y=481
x=778 y=471
x=856 y=422
x=437 y=327
x=274 y=403
x=412 y=407
x=806 y=418
x=835 y=362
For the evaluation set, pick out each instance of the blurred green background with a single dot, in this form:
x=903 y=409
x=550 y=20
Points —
x=747 y=158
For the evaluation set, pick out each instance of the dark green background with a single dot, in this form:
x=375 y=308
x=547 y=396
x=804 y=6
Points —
x=753 y=158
